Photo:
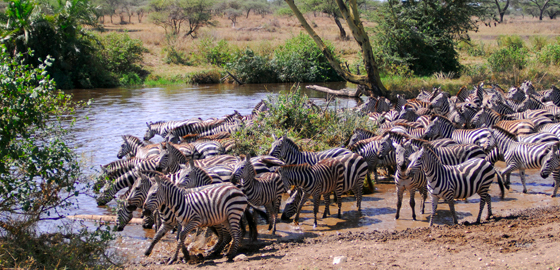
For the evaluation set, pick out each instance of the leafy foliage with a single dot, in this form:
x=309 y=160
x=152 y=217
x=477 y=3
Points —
x=173 y=14
x=422 y=34
x=508 y=59
x=550 y=54
x=250 y=67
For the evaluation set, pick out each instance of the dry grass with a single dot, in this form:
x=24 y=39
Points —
x=264 y=34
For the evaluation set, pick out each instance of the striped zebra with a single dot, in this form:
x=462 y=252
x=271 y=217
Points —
x=487 y=117
x=477 y=97
x=516 y=94
x=193 y=176
x=370 y=150
x=265 y=190
x=531 y=114
x=442 y=127
x=450 y=182
x=162 y=127
x=456 y=116
x=409 y=114
x=174 y=135
x=205 y=149
x=517 y=155
x=468 y=111
x=360 y=134
x=551 y=164
x=221 y=205
x=125 y=180
x=286 y=150
x=541 y=137
x=440 y=104
x=354 y=174
x=134 y=147
x=315 y=180
x=530 y=103
x=189 y=138
x=517 y=127
x=404 y=181
x=501 y=107
x=552 y=95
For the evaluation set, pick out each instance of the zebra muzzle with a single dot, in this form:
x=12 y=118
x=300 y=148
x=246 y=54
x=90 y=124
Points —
x=131 y=207
x=146 y=212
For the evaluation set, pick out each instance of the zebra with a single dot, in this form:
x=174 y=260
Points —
x=369 y=149
x=440 y=104
x=501 y=107
x=530 y=103
x=189 y=138
x=170 y=158
x=516 y=94
x=125 y=180
x=403 y=181
x=193 y=176
x=552 y=95
x=518 y=155
x=134 y=147
x=442 y=127
x=517 y=127
x=360 y=134
x=531 y=114
x=223 y=204
x=450 y=182
x=200 y=128
x=205 y=149
x=265 y=190
x=551 y=164
x=354 y=174
x=315 y=180
x=162 y=128
x=541 y=137
x=487 y=117
x=287 y=151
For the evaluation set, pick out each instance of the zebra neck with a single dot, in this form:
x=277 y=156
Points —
x=431 y=165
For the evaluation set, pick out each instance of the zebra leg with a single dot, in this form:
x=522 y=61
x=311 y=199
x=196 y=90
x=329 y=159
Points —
x=252 y=222
x=507 y=171
x=271 y=210
x=435 y=200
x=424 y=192
x=304 y=198
x=489 y=203
x=556 y=176
x=522 y=175
x=327 y=198
x=400 y=192
x=235 y=233
x=370 y=184
x=180 y=243
x=358 y=190
x=338 y=196
x=160 y=233
x=412 y=202
x=316 y=202
x=223 y=239
x=451 y=203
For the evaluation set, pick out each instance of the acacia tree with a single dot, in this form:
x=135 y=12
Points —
x=349 y=11
x=172 y=15
x=502 y=8
x=540 y=6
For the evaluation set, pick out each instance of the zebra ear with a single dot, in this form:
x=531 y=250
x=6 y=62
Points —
x=148 y=124
x=248 y=157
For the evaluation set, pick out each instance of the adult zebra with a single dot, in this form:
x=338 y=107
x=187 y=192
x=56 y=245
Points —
x=552 y=95
x=551 y=164
x=404 y=181
x=517 y=155
x=220 y=205
x=456 y=181
x=442 y=127
x=369 y=149
x=265 y=190
x=134 y=147
x=162 y=127
x=315 y=180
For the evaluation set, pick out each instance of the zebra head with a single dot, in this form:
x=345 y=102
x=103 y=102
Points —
x=292 y=203
x=415 y=162
x=173 y=136
x=151 y=132
x=284 y=172
x=124 y=215
x=155 y=196
x=125 y=148
x=433 y=129
x=516 y=94
x=385 y=146
x=479 y=119
x=277 y=147
x=137 y=195
x=164 y=161
x=550 y=95
x=551 y=161
x=242 y=170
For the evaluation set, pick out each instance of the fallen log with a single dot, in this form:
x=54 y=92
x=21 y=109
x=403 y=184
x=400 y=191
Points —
x=103 y=218
x=234 y=78
x=342 y=92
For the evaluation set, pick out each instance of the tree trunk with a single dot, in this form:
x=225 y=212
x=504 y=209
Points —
x=111 y=18
x=372 y=81
x=502 y=17
x=342 y=31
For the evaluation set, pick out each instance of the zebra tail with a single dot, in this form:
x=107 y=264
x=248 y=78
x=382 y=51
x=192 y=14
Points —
x=501 y=184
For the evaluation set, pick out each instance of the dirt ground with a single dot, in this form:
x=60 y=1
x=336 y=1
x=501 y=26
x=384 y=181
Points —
x=527 y=239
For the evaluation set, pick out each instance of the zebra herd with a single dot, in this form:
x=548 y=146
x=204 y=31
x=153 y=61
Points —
x=436 y=143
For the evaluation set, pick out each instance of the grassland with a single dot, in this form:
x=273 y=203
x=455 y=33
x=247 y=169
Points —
x=264 y=34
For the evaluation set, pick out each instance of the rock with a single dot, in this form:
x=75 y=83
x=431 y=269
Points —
x=339 y=260
x=240 y=258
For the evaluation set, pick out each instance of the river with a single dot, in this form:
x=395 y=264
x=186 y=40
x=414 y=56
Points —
x=120 y=111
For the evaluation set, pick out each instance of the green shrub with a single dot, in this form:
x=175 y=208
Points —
x=301 y=60
x=121 y=54
x=550 y=54
x=204 y=77
x=130 y=78
x=508 y=59
x=219 y=53
x=173 y=56
x=539 y=42
x=250 y=67
x=476 y=73
x=513 y=41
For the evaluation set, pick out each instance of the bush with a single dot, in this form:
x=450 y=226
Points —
x=204 y=77
x=473 y=49
x=172 y=56
x=539 y=42
x=508 y=59
x=120 y=54
x=250 y=67
x=550 y=54
x=513 y=41
x=301 y=60
x=218 y=54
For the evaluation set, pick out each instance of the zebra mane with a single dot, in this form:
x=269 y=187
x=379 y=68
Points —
x=291 y=143
x=151 y=173
x=506 y=133
x=406 y=125
x=395 y=134
x=364 y=131
x=531 y=97
x=445 y=119
x=157 y=123
x=419 y=142
x=362 y=143
x=133 y=140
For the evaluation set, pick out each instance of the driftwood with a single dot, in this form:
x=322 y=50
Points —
x=234 y=78
x=103 y=218
x=342 y=92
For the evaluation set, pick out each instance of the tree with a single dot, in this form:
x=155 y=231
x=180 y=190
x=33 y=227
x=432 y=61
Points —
x=539 y=6
x=257 y=6
x=349 y=11
x=330 y=8
x=111 y=7
x=172 y=14
x=502 y=8
x=422 y=35
x=38 y=171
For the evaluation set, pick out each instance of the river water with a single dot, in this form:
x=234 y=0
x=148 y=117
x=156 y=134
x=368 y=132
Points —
x=121 y=111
